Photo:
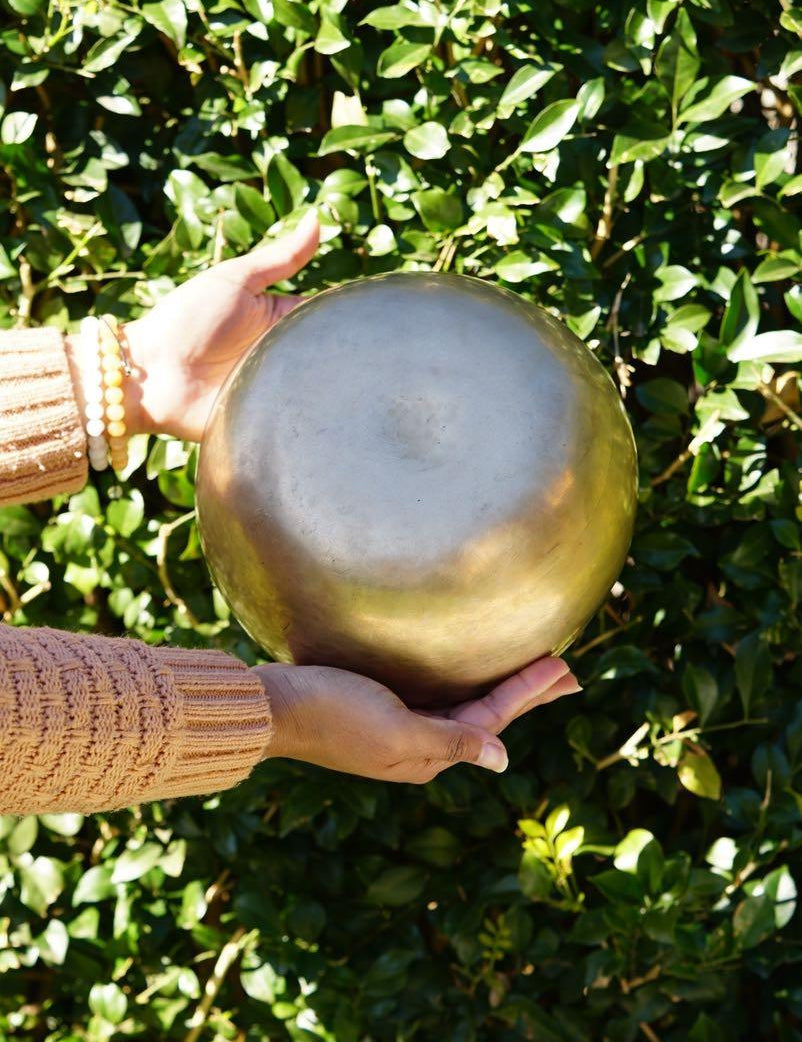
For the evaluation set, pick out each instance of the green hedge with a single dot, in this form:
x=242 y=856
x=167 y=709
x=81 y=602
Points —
x=632 y=167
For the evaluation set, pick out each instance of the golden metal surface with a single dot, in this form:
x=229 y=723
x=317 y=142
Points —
x=419 y=477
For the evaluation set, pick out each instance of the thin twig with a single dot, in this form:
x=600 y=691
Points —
x=622 y=753
x=13 y=597
x=602 y=638
x=239 y=64
x=672 y=468
x=225 y=960
x=605 y=225
x=27 y=293
x=648 y=1032
x=165 y=531
x=767 y=392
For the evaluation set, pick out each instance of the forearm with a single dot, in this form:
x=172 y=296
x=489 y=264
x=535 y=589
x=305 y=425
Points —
x=42 y=441
x=96 y=723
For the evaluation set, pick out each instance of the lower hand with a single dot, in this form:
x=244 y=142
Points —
x=348 y=723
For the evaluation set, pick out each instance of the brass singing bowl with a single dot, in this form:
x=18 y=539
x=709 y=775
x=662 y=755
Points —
x=419 y=477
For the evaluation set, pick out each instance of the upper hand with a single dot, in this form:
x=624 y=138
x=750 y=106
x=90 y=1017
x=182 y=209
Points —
x=185 y=347
x=349 y=723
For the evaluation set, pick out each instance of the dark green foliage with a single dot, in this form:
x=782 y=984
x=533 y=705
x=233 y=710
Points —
x=633 y=168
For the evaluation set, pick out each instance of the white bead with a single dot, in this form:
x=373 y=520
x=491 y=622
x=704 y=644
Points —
x=99 y=464
x=95 y=428
x=96 y=444
x=94 y=411
x=93 y=394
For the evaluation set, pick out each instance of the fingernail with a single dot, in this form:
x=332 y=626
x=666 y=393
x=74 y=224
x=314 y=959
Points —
x=493 y=757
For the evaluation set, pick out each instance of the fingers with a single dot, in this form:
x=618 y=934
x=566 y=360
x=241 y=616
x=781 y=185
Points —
x=540 y=682
x=280 y=259
x=448 y=742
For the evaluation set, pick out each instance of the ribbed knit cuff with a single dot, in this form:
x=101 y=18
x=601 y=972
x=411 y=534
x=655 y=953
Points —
x=227 y=723
x=42 y=441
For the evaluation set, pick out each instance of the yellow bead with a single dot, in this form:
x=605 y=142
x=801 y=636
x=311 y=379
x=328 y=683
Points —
x=108 y=346
x=110 y=363
x=114 y=395
x=113 y=378
x=115 y=412
x=116 y=429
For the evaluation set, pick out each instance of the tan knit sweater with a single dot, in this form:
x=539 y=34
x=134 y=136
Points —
x=92 y=723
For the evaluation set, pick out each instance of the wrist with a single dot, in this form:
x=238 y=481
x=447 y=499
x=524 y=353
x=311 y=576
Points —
x=274 y=679
x=135 y=420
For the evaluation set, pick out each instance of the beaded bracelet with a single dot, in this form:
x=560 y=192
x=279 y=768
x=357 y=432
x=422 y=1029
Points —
x=113 y=363
x=92 y=386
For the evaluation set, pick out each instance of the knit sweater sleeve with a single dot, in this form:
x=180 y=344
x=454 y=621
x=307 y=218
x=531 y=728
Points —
x=93 y=723
x=42 y=442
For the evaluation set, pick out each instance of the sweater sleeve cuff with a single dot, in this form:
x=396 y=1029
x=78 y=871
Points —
x=42 y=441
x=227 y=722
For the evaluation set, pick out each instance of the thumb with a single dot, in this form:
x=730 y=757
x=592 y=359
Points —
x=451 y=741
x=280 y=259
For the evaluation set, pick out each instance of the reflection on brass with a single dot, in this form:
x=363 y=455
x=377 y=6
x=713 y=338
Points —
x=419 y=477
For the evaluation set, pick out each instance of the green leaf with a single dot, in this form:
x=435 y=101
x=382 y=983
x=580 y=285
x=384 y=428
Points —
x=169 y=17
x=698 y=774
x=23 y=836
x=439 y=210
x=106 y=53
x=718 y=99
x=27 y=7
x=663 y=396
x=550 y=126
x=534 y=878
x=428 y=141
x=700 y=689
x=777 y=268
x=262 y=984
x=332 y=36
x=53 y=943
x=94 y=885
x=354 y=139
x=741 y=315
x=783 y=345
x=590 y=97
x=400 y=58
x=517 y=267
x=619 y=886
x=41 y=882
x=638 y=141
x=133 y=864
x=524 y=84
x=396 y=886
x=294 y=13
x=791 y=19
x=676 y=281
x=63 y=824
x=753 y=921
x=125 y=515
x=109 y=1002
x=17 y=127
x=436 y=846
x=677 y=61
x=396 y=16
x=753 y=670
x=771 y=156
